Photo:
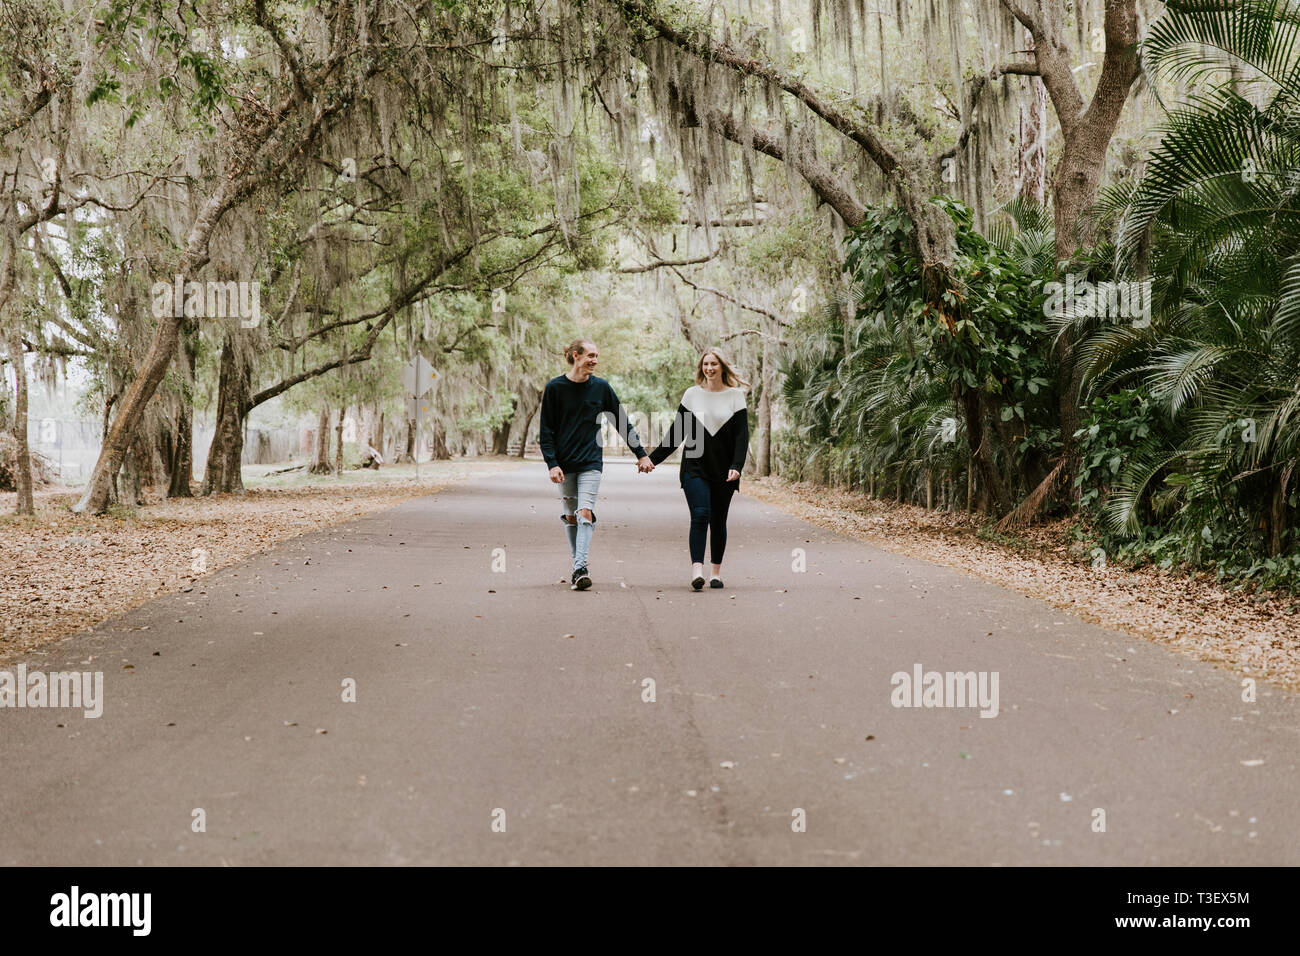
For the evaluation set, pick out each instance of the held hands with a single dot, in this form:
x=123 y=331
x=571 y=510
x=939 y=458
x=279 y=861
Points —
x=644 y=465
x=732 y=475
x=557 y=474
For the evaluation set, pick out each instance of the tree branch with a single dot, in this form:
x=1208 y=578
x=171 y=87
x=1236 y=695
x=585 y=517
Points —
x=1022 y=68
x=24 y=114
x=711 y=50
x=934 y=236
x=730 y=298
x=661 y=263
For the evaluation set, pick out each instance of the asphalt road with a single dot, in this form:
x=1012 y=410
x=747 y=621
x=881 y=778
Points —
x=500 y=718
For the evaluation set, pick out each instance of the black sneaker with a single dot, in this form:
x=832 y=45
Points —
x=581 y=580
x=715 y=582
x=697 y=583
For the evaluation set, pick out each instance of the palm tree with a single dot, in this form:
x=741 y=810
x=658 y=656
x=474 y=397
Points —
x=1214 y=221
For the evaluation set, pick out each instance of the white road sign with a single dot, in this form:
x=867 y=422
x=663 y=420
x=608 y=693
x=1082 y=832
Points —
x=419 y=376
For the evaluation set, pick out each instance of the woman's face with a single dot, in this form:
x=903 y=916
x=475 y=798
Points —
x=711 y=367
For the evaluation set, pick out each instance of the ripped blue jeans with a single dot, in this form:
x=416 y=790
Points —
x=578 y=491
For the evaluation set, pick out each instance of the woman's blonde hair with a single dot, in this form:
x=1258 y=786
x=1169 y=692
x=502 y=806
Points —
x=730 y=376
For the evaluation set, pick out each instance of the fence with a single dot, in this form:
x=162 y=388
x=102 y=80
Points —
x=71 y=445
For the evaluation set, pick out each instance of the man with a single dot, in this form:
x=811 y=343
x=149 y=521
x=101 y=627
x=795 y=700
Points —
x=571 y=408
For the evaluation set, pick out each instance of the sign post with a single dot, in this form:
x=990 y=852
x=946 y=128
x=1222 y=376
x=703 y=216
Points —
x=418 y=378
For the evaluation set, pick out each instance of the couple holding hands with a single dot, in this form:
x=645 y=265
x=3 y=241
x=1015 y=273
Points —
x=712 y=413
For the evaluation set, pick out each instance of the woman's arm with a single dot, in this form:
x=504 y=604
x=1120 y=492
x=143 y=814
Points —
x=676 y=435
x=622 y=421
x=741 y=449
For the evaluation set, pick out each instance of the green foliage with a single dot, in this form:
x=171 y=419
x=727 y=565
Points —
x=878 y=394
x=1195 y=433
x=127 y=31
x=1117 y=426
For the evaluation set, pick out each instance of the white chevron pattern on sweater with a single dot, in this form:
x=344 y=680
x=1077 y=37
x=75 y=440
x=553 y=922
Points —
x=713 y=409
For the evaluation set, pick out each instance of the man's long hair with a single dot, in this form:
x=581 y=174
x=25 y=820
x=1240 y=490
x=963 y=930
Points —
x=575 y=348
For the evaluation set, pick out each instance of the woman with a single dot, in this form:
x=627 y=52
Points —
x=714 y=423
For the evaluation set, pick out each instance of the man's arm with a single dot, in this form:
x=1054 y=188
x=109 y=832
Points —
x=546 y=436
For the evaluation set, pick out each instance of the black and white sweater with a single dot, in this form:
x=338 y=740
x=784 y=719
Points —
x=715 y=429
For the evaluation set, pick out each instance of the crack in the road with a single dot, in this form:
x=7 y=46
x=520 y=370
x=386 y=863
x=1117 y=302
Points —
x=692 y=741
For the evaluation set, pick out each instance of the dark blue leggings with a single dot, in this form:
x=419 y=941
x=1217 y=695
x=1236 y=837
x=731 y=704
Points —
x=709 y=502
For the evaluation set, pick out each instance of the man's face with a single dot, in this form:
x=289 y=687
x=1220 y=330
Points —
x=585 y=363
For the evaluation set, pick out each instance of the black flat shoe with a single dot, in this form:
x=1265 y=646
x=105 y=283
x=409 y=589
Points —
x=698 y=583
x=715 y=582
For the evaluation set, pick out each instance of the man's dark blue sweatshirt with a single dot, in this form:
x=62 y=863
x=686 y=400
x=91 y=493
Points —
x=571 y=421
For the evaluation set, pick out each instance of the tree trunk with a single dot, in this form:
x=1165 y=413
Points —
x=338 y=443
x=1086 y=131
x=763 y=467
x=322 y=464
x=440 y=450
x=22 y=453
x=407 y=457
x=99 y=489
x=14 y=341
x=501 y=437
x=533 y=409
x=6 y=407
x=137 y=471
x=181 y=466
x=980 y=435
x=223 y=473
x=377 y=433
x=1277 y=513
